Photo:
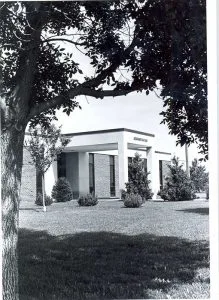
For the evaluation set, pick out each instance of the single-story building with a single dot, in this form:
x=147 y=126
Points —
x=97 y=161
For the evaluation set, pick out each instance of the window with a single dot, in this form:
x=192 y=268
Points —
x=161 y=173
x=145 y=165
x=38 y=182
x=112 y=176
x=61 y=164
x=91 y=173
x=129 y=160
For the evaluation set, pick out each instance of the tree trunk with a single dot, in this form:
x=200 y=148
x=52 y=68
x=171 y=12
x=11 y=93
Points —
x=44 y=193
x=39 y=182
x=11 y=165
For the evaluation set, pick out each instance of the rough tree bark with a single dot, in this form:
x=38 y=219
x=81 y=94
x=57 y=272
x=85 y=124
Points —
x=15 y=108
x=11 y=165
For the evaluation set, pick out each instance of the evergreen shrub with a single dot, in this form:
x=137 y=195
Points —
x=133 y=200
x=138 y=179
x=199 y=176
x=88 y=200
x=62 y=191
x=178 y=186
x=207 y=192
x=39 y=200
x=123 y=194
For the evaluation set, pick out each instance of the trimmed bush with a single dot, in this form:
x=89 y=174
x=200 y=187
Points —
x=178 y=186
x=62 y=191
x=88 y=200
x=39 y=200
x=133 y=200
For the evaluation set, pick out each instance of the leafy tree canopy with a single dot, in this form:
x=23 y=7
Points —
x=155 y=42
x=44 y=144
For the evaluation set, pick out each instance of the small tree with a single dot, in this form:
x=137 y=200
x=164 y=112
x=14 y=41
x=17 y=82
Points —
x=198 y=176
x=178 y=186
x=44 y=144
x=138 y=178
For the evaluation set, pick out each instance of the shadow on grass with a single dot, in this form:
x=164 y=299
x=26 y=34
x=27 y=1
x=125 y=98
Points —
x=103 y=265
x=199 y=210
x=32 y=209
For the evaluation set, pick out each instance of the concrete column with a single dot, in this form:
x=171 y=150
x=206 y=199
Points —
x=72 y=172
x=83 y=167
x=153 y=168
x=55 y=169
x=51 y=177
x=123 y=162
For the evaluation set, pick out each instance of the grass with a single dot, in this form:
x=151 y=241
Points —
x=108 y=252
x=199 y=210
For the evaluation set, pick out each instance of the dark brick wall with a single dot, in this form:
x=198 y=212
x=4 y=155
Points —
x=28 y=180
x=117 y=176
x=102 y=175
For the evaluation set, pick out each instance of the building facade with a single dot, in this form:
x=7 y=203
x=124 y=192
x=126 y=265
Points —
x=97 y=161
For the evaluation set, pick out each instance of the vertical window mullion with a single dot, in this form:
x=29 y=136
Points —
x=161 y=173
x=112 y=176
x=91 y=173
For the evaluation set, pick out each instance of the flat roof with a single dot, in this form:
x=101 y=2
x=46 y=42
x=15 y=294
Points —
x=161 y=152
x=109 y=131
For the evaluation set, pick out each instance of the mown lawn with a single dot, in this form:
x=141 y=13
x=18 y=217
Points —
x=109 y=252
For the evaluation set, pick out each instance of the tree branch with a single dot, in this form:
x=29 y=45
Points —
x=44 y=106
x=105 y=93
x=88 y=87
x=63 y=40
x=94 y=82
x=78 y=91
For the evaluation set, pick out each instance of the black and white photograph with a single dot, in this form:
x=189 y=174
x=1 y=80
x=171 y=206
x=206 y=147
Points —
x=105 y=156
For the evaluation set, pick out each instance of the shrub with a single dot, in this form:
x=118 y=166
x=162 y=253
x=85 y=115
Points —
x=138 y=179
x=133 y=200
x=178 y=186
x=39 y=200
x=207 y=192
x=198 y=176
x=123 y=194
x=88 y=200
x=62 y=191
